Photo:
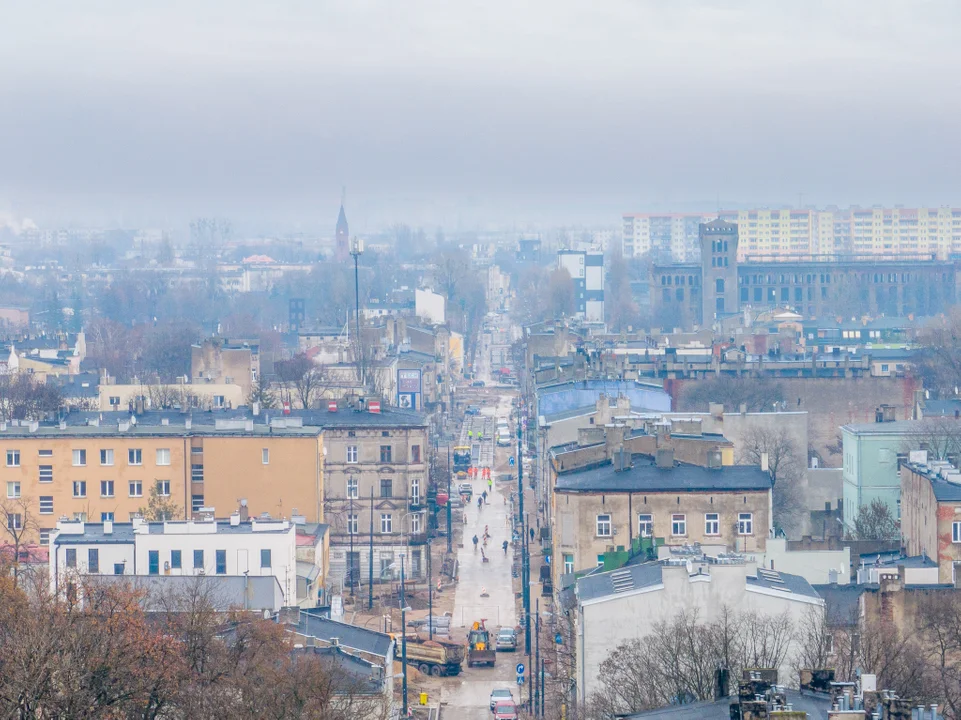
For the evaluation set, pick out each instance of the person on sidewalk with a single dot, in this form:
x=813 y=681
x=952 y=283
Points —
x=475 y=543
x=504 y=545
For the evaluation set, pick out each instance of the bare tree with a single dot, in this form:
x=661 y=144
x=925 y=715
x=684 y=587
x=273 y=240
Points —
x=302 y=379
x=19 y=525
x=940 y=436
x=939 y=354
x=758 y=394
x=786 y=464
x=23 y=398
x=875 y=522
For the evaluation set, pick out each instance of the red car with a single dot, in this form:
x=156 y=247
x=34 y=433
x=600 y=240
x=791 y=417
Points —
x=505 y=710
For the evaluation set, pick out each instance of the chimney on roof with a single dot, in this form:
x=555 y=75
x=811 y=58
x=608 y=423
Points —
x=107 y=527
x=234 y=519
x=255 y=408
x=243 y=513
x=664 y=457
x=764 y=462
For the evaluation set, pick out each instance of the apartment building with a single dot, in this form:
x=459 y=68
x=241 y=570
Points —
x=221 y=361
x=930 y=522
x=781 y=234
x=211 y=548
x=586 y=268
x=306 y=465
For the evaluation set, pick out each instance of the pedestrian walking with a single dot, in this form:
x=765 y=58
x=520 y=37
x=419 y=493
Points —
x=484 y=496
x=504 y=545
x=475 y=543
x=532 y=534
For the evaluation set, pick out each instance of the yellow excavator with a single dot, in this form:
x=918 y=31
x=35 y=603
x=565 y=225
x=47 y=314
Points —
x=480 y=649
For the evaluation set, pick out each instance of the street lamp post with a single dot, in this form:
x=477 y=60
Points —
x=430 y=594
x=356 y=250
x=449 y=529
x=403 y=630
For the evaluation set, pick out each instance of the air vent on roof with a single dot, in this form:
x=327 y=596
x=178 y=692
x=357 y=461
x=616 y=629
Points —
x=770 y=576
x=622 y=580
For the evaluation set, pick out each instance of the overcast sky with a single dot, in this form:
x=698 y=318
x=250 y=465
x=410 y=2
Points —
x=471 y=113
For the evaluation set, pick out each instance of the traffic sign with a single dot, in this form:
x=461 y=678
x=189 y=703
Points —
x=520 y=679
x=520 y=668
x=512 y=461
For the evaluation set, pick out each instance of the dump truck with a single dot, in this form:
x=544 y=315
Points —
x=432 y=657
x=480 y=648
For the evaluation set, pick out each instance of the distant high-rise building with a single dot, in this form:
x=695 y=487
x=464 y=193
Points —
x=342 y=244
x=790 y=234
x=586 y=268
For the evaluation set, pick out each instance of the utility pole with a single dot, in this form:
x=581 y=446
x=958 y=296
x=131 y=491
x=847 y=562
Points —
x=356 y=250
x=403 y=630
x=350 y=557
x=525 y=559
x=430 y=593
x=537 y=655
x=449 y=528
x=370 y=558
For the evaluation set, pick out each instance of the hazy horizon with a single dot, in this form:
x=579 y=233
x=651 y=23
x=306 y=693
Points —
x=471 y=115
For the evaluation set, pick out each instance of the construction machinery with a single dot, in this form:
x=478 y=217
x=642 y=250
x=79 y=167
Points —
x=433 y=657
x=462 y=460
x=480 y=648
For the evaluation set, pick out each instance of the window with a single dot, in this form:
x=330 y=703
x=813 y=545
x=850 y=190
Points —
x=71 y=557
x=678 y=524
x=80 y=517
x=603 y=526
x=265 y=558
x=45 y=453
x=884 y=368
x=134 y=456
x=106 y=457
x=745 y=524
x=93 y=560
x=79 y=458
x=106 y=488
x=13 y=458
x=719 y=285
x=79 y=488
x=351 y=524
x=385 y=433
x=198 y=559
x=386 y=488
x=712 y=526
x=14 y=521
x=386 y=523
x=196 y=450
x=219 y=401
x=415 y=453
x=385 y=453
x=13 y=490
x=265 y=456
x=46 y=473
x=163 y=456
x=176 y=559
x=351 y=453
x=135 y=488
x=415 y=491
x=106 y=517
x=221 y=559
x=46 y=504
x=415 y=523
x=163 y=488
x=118 y=568
x=568 y=563
x=115 y=400
x=44 y=536
x=956 y=532
x=828 y=643
x=197 y=472
x=352 y=488
x=645 y=525
x=153 y=562
x=196 y=503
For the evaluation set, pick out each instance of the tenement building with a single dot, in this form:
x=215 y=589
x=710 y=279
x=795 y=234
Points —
x=721 y=283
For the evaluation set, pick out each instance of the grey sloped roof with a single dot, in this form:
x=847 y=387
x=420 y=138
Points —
x=814 y=704
x=793 y=583
x=633 y=577
x=645 y=476
x=842 y=602
x=225 y=592
x=351 y=637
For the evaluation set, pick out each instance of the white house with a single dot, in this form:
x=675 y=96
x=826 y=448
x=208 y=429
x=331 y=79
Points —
x=228 y=548
x=627 y=603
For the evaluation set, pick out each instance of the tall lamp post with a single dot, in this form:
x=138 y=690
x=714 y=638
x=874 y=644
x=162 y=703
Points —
x=449 y=529
x=356 y=250
x=430 y=594
x=403 y=630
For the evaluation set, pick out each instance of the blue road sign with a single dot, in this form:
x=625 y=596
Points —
x=520 y=668
x=520 y=679
x=512 y=461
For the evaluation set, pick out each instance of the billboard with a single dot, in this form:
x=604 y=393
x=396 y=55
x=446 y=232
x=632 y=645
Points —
x=408 y=381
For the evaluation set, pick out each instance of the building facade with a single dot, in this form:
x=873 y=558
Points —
x=586 y=268
x=782 y=234
x=931 y=513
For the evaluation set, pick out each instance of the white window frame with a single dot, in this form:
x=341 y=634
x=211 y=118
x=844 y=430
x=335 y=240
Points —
x=386 y=523
x=712 y=523
x=106 y=457
x=568 y=563
x=603 y=527
x=135 y=492
x=163 y=456
x=13 y=489
x=79 y=457
x=679 y=525
x=49 y=505
x=107 y=485
x=43 y=452
x=107 y=516
x=163 y=488
x=352 y=454
x=645 y=525
x=415 y=491
x=40 y=472
x=415 y=524
x=745 y=523
x=352 y=524
x=135 y=456
x=956 y=532
x=265 y=456
x=13 y=458
x=353 y=488
x=14 y=521
x=81 y=485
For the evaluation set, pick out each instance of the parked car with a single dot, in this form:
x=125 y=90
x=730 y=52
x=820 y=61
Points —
x=501 y=695
x=472 y=410
x=506 y=639
x=478 y=383
x=505 y=710
x=465 y=489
